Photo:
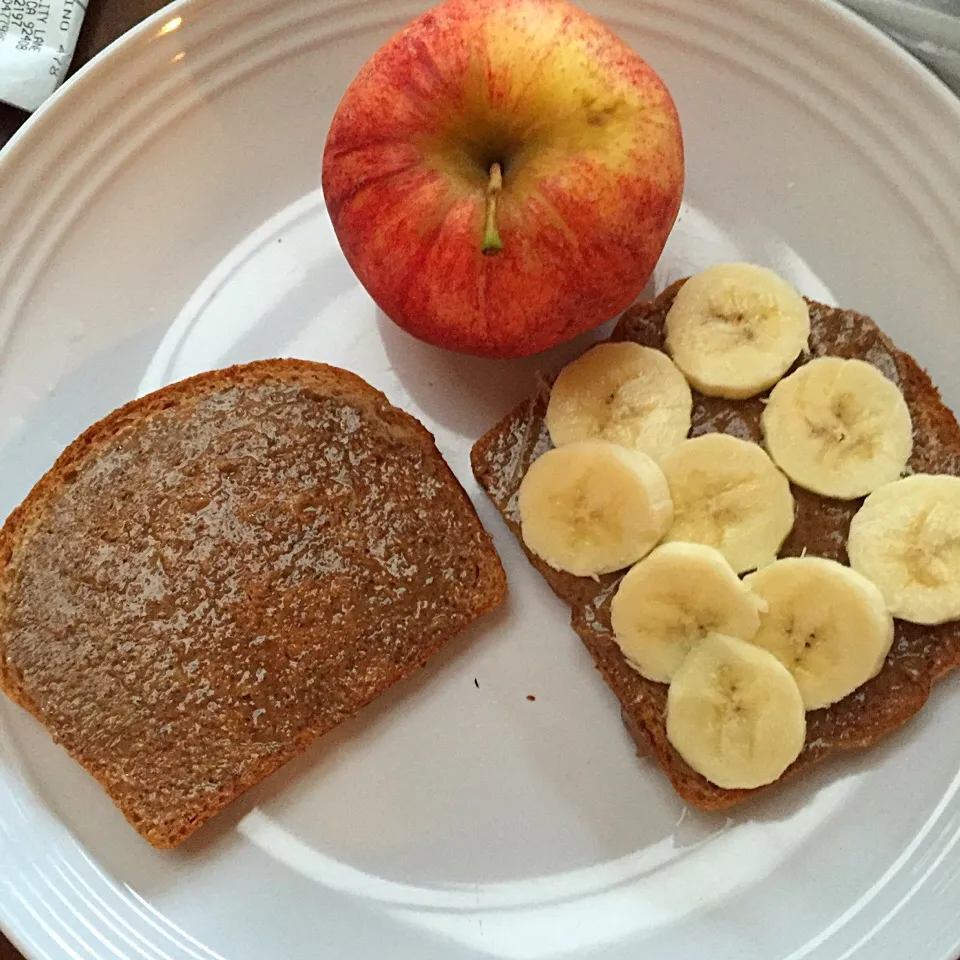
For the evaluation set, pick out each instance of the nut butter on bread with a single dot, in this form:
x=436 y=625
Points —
x=215 y=574
x=919 y=655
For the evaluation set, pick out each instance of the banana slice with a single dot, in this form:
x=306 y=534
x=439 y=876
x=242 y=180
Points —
x=728 y=494
x=906 y=539
x=827 y=624
x=735 y=329
x=838 y=427
x=735 y=714
x=671 y=600
x=624 y=393
x=593 y=507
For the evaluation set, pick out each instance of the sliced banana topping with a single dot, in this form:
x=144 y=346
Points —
x=735 y=329
x=827 y=624
x=674 y=598
x=622 y=392
x=728 y=494
x=593 y=507
x=735 y=714
x=906 y=539
x=838 y=427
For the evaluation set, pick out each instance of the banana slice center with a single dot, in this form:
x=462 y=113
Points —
x=630 y=401
x=802 y=638
x=845 y=430
x=736 y=321
x=804 y=643
x=736 y=326
x=734 y=715
x=720 y=507
x=590 y=520
x=813 y=652
x=692 y=627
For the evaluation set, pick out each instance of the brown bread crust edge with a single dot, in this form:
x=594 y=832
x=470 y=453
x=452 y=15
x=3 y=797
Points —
x=920 y=655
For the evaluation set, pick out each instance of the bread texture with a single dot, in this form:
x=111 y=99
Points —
x=920 y=654
x=218 y=573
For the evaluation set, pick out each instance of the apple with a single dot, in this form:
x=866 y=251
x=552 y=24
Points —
x=502 y=175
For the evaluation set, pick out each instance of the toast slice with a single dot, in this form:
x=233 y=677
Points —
x=218 y=573
x=920 y=655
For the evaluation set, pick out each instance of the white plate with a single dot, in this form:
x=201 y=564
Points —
x=162 y=216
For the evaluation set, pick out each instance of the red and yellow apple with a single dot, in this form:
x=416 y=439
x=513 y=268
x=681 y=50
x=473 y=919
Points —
x=503 y=174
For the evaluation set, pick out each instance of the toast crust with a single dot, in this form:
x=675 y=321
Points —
x=920 y=655
x=217 y=573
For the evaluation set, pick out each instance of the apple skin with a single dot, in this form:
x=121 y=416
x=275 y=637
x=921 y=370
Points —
x=592 y=156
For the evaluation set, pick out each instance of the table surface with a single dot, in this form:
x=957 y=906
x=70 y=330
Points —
x=104 y=22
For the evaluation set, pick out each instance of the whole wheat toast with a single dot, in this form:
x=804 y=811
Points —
x=217 y=573
x=920 y=655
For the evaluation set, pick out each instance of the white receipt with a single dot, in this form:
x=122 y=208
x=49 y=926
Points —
x=37 y=39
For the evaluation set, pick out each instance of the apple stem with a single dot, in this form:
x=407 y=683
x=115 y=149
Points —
x=491 y=238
